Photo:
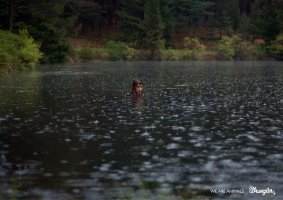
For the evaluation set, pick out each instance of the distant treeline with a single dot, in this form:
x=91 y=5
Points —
x=140 y=23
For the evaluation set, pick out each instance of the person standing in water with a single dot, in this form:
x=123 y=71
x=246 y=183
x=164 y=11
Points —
x=137 y=88
x=137 y=93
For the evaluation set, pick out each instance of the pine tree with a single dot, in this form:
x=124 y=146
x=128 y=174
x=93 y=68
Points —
x=168 y=19
x=153 y=26
x=131 y=20
x=45 y=23
x=244 y=23
x=265 y=19
x=173 y=14
x=180 y=13
x=190 y=11
x=234 y=14
x=9 y=10
x=221 y=19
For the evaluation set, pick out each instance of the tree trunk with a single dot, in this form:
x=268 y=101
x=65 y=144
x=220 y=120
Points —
x=11 y=14
x=220 y=33
x=152 y=52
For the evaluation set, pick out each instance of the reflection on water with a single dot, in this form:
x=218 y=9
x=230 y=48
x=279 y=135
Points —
x=70 y=132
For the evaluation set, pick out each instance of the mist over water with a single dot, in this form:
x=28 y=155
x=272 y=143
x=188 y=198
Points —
x=71 y=131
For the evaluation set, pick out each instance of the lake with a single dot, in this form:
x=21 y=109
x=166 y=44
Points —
x=71 y=132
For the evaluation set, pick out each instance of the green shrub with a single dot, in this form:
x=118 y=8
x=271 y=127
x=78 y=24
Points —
x=224 y=49
x=237 y=48
x=56 y=52
x=5 y=58
x=130 y=53
x=172 y=54
x=19 y=51
x=193 y=48
x=29 y=53
x=86 y=53
x=161 y=45
x=8 y=48
x=244 y=49
x=262 y=51
x=276 y=47
x=89 y=53
x=119 y=51
x=54 y=44
x=115 y=50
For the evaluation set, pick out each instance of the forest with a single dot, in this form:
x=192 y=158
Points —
x=57 y=31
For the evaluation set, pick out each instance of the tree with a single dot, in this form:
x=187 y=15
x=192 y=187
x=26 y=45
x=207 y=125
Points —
x=46 y=24
x=9 y=11
x=174 y=14
x=234 y=13
x=178 y=14
x=153 y=26
x=190 y=11
x=226 y=14
x=142 y=23
x=131 y=20
x=18 y=51
x=109 y=8
x=244 y=23
x=265 y=18
x=167 y=18
x=245 y=6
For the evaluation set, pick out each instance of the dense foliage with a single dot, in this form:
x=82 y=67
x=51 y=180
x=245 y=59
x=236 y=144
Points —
x=224 y=49
x=193 y=48
x=44 y=20
x=143 y=24
x=237 y=48
x=118 y=51
x=276 y=47
x=266 y=18
x=18 y=51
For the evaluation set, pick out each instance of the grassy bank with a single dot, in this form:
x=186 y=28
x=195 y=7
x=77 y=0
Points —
x=19 y=51
x=192 y=48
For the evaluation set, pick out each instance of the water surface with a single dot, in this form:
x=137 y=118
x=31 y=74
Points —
x=71 y=132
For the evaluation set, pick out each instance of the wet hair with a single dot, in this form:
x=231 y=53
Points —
x=136 y=83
